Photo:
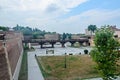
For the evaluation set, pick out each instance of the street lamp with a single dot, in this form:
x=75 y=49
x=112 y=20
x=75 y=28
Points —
x=65 y=61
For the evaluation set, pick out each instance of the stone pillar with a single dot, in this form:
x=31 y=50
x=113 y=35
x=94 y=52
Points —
x=29 y=45
x=41 y=45
x=72 y=43
x=87 y=43
x=52 y=45
x=81 y=43
x=63 y=45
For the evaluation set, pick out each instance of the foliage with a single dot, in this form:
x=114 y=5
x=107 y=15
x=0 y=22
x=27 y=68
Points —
x=4 y=28
x=105 y=53
x=64 y=36
x=92 y=28
x=86 y=51
x=23 y=75
x=69 y=35
x=35 y=32
x=26 y=30
x=26 y=48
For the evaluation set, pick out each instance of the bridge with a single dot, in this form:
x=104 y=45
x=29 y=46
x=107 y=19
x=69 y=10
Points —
x=81 y=41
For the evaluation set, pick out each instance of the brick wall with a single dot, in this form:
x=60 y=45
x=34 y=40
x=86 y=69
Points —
x=4 y=75
x=14 y=49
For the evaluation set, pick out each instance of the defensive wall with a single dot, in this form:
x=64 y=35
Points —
x=11 y=50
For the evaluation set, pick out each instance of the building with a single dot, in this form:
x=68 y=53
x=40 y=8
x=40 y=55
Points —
x=116 y=31
x=113 y=28
x=75 y=36
x=11 y=50
x=52 y=36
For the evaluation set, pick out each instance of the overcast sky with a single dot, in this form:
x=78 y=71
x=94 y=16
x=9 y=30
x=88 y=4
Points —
x=72 y=16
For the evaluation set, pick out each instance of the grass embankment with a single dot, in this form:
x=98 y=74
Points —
x=23 y=75
x=78 y=67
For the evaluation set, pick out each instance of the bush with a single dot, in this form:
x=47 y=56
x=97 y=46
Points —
x=32 y=48
x=85 y=51
x=26 y=48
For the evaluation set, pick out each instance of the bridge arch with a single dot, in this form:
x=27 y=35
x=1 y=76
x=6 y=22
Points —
x=82 y=41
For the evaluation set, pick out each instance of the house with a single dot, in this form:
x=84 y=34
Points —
x=75 y=36
x=52 y=36
x=116 y=31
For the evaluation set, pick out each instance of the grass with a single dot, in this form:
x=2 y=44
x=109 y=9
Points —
x=23 y=75
x=78 y=67
x=41 y=68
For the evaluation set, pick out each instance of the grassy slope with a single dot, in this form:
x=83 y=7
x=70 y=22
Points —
x=77 y=67
x=23 y=75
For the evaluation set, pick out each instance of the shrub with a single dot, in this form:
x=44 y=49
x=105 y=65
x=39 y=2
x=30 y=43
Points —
x=105 y=54
x=85 y=51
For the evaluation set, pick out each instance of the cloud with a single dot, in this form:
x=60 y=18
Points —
x=52 y=8
x=94 y=16
x=0 y=7
x=78 y=23
x=75 y=23
x=41 y=5
x=48 y=15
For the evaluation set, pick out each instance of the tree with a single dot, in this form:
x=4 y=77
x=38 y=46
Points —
x=4 y=28
x=64 y=36
x=92 y=28
x=68 y=35
x=105 y=53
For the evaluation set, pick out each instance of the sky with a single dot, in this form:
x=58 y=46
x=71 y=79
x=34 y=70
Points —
x=70 y=16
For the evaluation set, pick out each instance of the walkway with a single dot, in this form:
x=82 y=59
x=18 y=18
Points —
x=34 y=72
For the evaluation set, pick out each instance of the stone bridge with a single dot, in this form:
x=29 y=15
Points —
x=81 y=41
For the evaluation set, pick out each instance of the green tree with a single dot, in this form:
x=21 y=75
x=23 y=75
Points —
x=64 y=36
x=105 y=53
x=68 y=35
x=4 y=28
x=92 y=28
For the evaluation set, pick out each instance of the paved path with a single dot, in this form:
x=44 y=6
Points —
x=34 y=72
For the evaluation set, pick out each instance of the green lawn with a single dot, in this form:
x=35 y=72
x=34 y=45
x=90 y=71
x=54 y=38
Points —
x=23 y=75
x=78 y=67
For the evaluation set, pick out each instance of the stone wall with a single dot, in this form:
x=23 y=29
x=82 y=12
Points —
x=14 y=49
x=4 y=75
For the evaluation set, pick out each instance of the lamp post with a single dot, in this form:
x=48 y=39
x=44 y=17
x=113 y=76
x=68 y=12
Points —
x=65 y=61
